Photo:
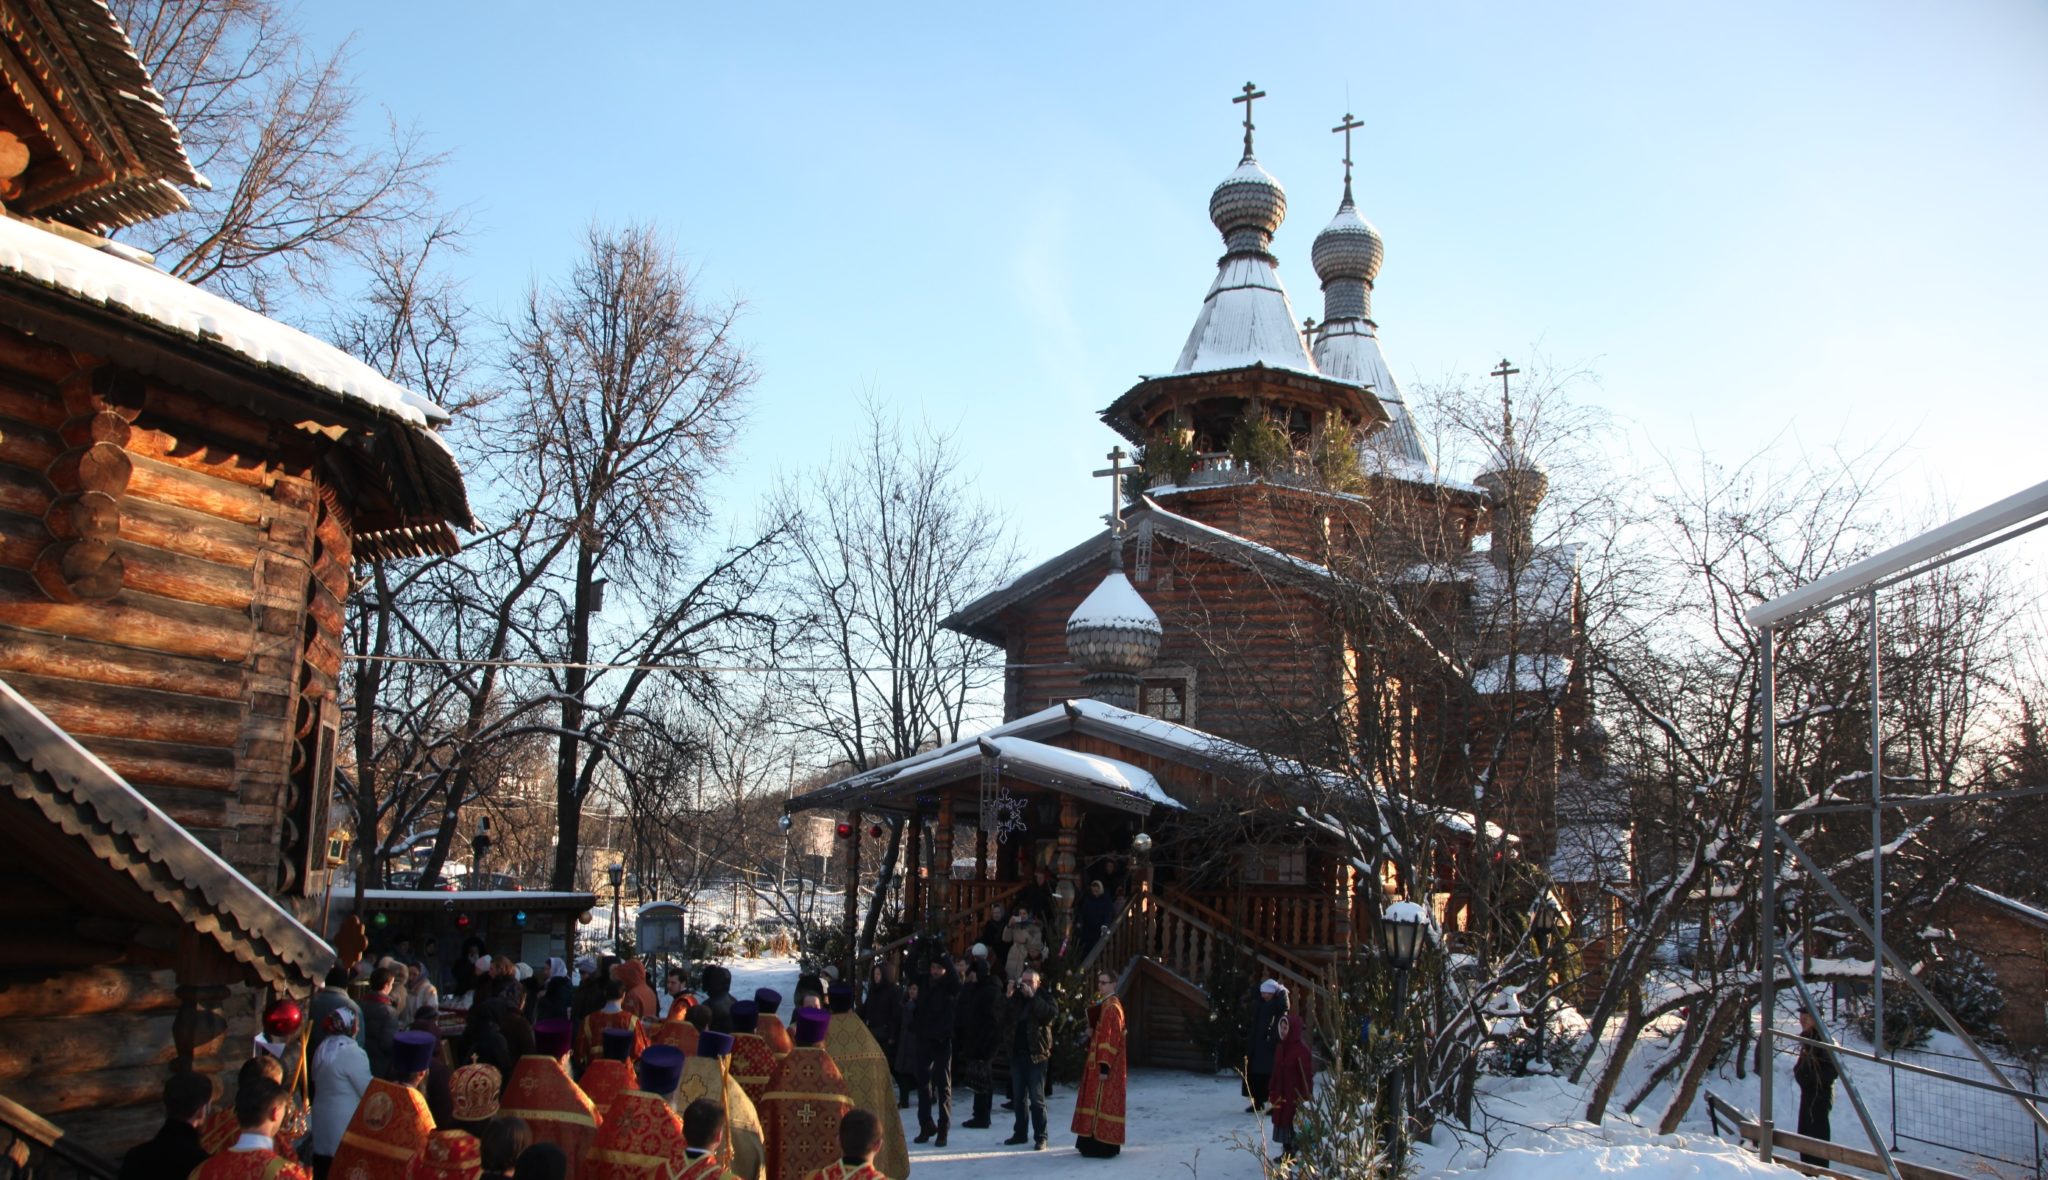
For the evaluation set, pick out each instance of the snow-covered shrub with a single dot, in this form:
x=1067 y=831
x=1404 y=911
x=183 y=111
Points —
x=1339 y=1134
x=1232 y=988
x=1968 y=989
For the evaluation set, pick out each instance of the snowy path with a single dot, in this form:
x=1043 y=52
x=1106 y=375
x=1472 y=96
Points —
x=1182 y=1124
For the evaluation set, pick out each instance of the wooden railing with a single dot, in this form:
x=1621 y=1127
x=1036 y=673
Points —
x=972 y=902
x=1123 y=943
x=1285 y=917
x=37 y=1148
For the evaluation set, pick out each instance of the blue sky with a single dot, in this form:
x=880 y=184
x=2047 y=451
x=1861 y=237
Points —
x=1806 y=225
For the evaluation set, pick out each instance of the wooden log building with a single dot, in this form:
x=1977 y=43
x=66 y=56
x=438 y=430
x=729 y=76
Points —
x=184 y=485
x=1204 y=654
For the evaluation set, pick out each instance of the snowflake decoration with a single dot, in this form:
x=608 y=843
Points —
x=1003 y=815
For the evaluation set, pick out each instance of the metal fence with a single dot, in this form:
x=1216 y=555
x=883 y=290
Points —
x=1940 y=1108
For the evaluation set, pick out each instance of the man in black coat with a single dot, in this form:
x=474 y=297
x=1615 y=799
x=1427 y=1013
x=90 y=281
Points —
x=175 y=1151
x=975 y=1037
x=937 y=1003
x=718 y=997
x=1096 y=911
x=1027 y=1016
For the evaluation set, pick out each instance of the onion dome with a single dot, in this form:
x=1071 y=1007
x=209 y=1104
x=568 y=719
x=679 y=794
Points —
x=1347 y=257
x=1247 y=208
x=1114 y=636
x=1515 y=487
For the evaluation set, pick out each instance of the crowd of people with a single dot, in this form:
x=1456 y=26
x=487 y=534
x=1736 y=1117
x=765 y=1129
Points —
x=585 y=1071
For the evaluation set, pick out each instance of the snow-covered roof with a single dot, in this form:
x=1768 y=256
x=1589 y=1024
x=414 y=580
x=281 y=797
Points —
x=1115 y=603
x=1246 y=320
x=1524 y=672
x=1544 y=587
x=1349 y=350
x=1600 y=854
x=116 y=283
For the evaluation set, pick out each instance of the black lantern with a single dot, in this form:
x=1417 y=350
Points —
x=1401 y=934
x=480 y=847
x=1544 y=921
x=618 y=876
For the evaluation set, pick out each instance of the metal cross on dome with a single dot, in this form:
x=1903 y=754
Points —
x=1250 y=92
x=1345 y=129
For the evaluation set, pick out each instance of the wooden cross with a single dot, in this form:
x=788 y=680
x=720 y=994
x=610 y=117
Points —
x=1250 y=92
x=1116 y=472
x=1507 y=411
x=1504 y=372
x=1345 y=129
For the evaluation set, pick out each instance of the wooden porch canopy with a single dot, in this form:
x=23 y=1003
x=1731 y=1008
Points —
x=1090 y=778
x=114 y=851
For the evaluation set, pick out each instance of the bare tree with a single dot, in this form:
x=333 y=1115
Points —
x=889 y=543
x=273 y=125
x=627 y=393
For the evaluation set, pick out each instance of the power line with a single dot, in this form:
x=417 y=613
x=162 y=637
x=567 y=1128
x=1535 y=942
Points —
x=608 y=666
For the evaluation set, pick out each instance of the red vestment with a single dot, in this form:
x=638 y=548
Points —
x=707 y=1167
x=1099 y=1111
x=680 y=1033
x=590 y=1038
x=251 y=1165
x=556 y=1110
x=841 y=1170
x=604 y=1081
x=222 y=1130
x=390 y=1126
x=772 y=1030
x=800 y=1113
x=642 y=1139
x=752 y=1063
x=679 y=1006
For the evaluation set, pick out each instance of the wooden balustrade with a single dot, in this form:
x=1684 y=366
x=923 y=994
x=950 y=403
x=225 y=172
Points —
x=1285 y=917
x=972 y=903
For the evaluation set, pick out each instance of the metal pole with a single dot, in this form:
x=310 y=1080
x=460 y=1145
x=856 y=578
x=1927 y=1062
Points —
x=1398 y=1099
x=1767 y=922
x=1876 y=834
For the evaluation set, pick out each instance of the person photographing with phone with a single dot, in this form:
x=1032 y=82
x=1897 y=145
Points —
x=1029 y=1013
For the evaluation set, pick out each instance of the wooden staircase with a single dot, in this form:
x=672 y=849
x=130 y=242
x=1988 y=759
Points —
x=1163 y=948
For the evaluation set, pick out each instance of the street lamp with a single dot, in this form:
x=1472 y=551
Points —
x=1544 y=921
x=1400 y=940
x=618 y=875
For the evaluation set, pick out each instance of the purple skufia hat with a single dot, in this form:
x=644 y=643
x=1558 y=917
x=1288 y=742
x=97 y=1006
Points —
x=840 y=997
x=811 y=1025
x=618 y=1043
x=746 y=1017
x=711 y=1043
x=412 y=1052
x=768 y=1000
x=553 y=1037
x=661 y=1069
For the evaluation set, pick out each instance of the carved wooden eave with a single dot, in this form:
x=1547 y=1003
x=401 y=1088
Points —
x=160 y=869
x=1134 y=414
x=101 y=151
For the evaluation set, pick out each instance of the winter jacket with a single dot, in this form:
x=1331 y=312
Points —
x=938 y=998
x=171 y=1155
x=1815 y=1072
x=340 y=1075
x=974 y=1021
x=1265 y=1032
x=639 y=999
x=903 y=1059
x=1294 y=1076
x=882 y=1012
x=380 y=1024
x=1028 y=1025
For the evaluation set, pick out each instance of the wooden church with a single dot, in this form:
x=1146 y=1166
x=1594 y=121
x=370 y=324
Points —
x=1198 y=672
x=184 y=485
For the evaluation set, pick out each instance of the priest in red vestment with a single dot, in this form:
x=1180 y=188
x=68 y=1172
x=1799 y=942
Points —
x=556 y=1109
x=1099 y=1110
x=590 y=1039
x=805 y=1100
x=610 y=1075
x=752 y=1059
x=392 y=1122
x=259 y=1111
x=703 y=1132
x=222 y=1128
x=681 y=1032
x=860 y=1137
x=642 y=1136
x=709 y=1075
x=771 y=1029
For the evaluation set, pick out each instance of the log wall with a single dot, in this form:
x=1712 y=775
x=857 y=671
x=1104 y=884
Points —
x=171 y=579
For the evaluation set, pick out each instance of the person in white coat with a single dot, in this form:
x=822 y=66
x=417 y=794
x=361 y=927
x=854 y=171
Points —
x=341 y=1072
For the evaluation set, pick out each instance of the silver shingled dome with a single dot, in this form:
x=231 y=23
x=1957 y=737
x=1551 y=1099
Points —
x=1249 y=201
x=1348 y=248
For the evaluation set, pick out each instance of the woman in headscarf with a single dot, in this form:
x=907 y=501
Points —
x=341 y=1072
x=556 y=999
x=1294 y=1079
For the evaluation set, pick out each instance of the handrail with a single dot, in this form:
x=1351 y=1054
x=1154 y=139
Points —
x=33 y=1129
x=971 y=920
x=1118 y=930
x=1281 y=956
x=1316 y=993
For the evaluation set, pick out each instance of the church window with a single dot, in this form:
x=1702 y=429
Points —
x=1268 y=864
x=1164 y=698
